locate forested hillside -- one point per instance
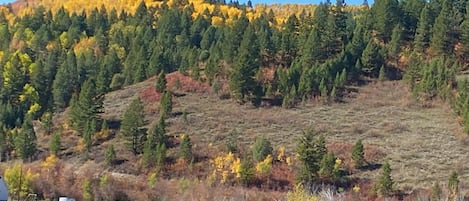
(81, 83)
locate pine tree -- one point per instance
(3, 142)
(242, 79)
(166, 105)
(185, 150)
(441, 40)
(326, 170)
(358, 154)
(110, 155)
(311, 149)
(261, 149)
(132, 126)
(372, 59)
(422, 34)
(382, 73)
(87, 107)
(55, 144)
(149, 149)
(88, 133)
(464, 51)
(396, 43)
(385, 182)
(160, 155)
(25, 141)
(386, 13)
(161, 82)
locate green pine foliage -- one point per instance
(385, 181)
(166, 104)
(358, 154)
(161, 82)
(132, 126)
(262, 148)
(55, 144)
(185, 150)
(311, 150)
(110, 155)
(25, 141)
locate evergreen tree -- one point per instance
(386, 13)
(161, 82)
(149, 149)
(422, 35)
(166, 105)
(25, 141)
(358, 154)
(55, 144)
(385, 182)
(464, 51)
(185, 150)
(311, 150)
(382, 73)
(327, 170)
(160, 155)
(132, 126)
(261, 149)
(88, 133)
(110, 155)
(372, 59)
(88, 106)
(396, 43)
(4, 142)
(442, 42)
(242, 79)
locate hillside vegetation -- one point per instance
(165, 100)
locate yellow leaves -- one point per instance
(289, 161)
(281, 153)
(264, 167)
(226, 167)
(236, 167)
(32, 96)
(50, 162)
(152, 179)
(19, 181)
(104, 180)
(85, 44)
(34, 108)
(217, 21)
(299, 193)
(356, 188)
(28, 92)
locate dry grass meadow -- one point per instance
(422, 144)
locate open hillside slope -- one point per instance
(421, 143)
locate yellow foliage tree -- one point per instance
(227, 167)
(264, 167)
(19, 182)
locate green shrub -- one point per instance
(261, 149)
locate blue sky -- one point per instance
(5, 1)
(350, 2)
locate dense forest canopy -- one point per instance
(50, 55)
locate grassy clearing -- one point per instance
(422, 144)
